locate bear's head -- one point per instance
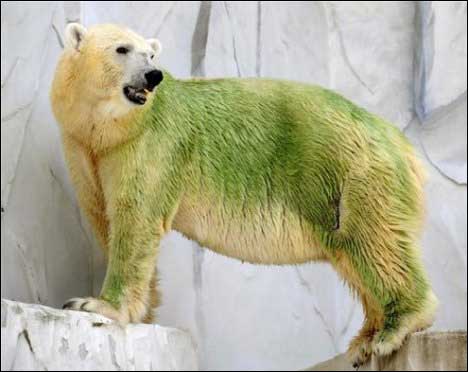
(114, 60)
(105, 73)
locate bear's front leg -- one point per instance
(135, 233)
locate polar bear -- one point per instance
(264, 171)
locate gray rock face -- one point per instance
(440, 85)
(40, 338)
(425, 351)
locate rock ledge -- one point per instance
(423, 351)
(36, 337)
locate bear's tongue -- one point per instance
(135, 95)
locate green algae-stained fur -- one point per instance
(352, 179)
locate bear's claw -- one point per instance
(98, 306)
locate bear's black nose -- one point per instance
(153, 78)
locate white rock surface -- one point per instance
(424, 351)
(371, 56)
(444, 138)
(240, 314)
(40, 338)
(173, 22)
(40, 219)
(443, 64)
(440, 84)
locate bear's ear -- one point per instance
(156, 45)
(74, 35)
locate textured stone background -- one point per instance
(406, 61)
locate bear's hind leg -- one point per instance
(395, 296)
(381, 213)
(360, 349)
(401, 322)
(392, 280)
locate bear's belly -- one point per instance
(261, 236)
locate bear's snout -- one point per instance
(153, 78)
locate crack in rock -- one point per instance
(15, 112)
(64, 347)
(317, 311)
(234, 49)
(200, 39)
(345, 54)
(258, 66)
(113, 352)
(10, 72)
(83, 352)
(4, 315)
(59, 38)
(165, 18)
(25, 335)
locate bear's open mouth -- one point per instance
(135, 95)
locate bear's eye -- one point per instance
(122, 50)
(152, 56)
